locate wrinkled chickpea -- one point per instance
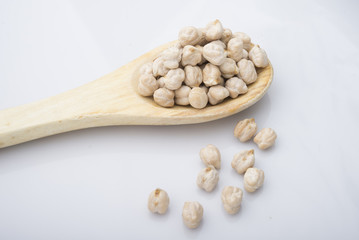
(214, 53)
(191, 56)
(258, 57)
(247, 71)
(226, 36)
(214, 30)
(189, 36)
(232, 199)
(146, 69)
(253, 179)
(181, 95)
(245, 129)
(147, 85)
(198, 98)
(247, 45)
(236, 86)
(211, 75)
(158, 67)
(217, 94)
(211, 156)
(171, 57)
(193, 76)
(161, 82)
(164, 97)
(158, 201)
(235, 49)
(229, 68)
(243, 160)
(265, 138)
(192, 214)
(207, 179)
(174, 78)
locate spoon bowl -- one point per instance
(113, 100)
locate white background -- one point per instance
(94, 183)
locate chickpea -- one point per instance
(147, 85)
(243, 160)
(247, 71)
(258, 57)
(181, 95)
(229, 68)
(174, 78)
(253, 179)
(247, 45)
(214, 53)
(189, 36)
(192, 214)
(158, 201)
(198, 98)
(203, 60)
(235, 49)
(191, 56)
(245, 129)
(161, 82)
(207, 179)
(158, 67)
(236, 86)
(217, 94)
(171, 57)
(146, 69)
(232, 199)
(214, 30)
(265, 138)
(211, 156)
(211, 75)
(164, 97)
(193, 76)
(226, 36)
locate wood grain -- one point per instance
(113, 100)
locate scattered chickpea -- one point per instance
(258, 57)
(232, 199)
(207, 178)
(211, 156)
(198, 98)
(174, 78)
(147, 85)
(236, 86)
(245, 129)
(214, 30)
(164, 97)
(217, 94)
(191, 56)
(253, 179)
(158, 201)
(247, 71)
(181, 95)
(193, 76)
(243, 160)
(189, 36)
(265, 138)
(211, 75)
(192, 214)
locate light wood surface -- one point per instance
(113, 100)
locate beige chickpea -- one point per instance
(214, 30)
(211, 156)
(220, 43)
(192, 214)
(243, 160)
(258, 56)
(204, 88)
(245, 129)
(247, 45)
(198, 98)
(211, 75)
(146, 69)
(161, 82)
(265, 138)
(236, 86)
(214, 53)
(181, 95)
(171, 57)
(232, 199)
(158, 201)
(245, 54)
(158, 67)
(253, 179)
(164, 97)
(235, 49)
(247, 71)
(216, 94)
(203, 60)
(191, 56)
(189, 36)
(229, 68)
(207, 179)
(193, 76)
(203, 40)
(174, 78)
(226, 36)
(147, 85)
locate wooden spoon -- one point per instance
(113, 100)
